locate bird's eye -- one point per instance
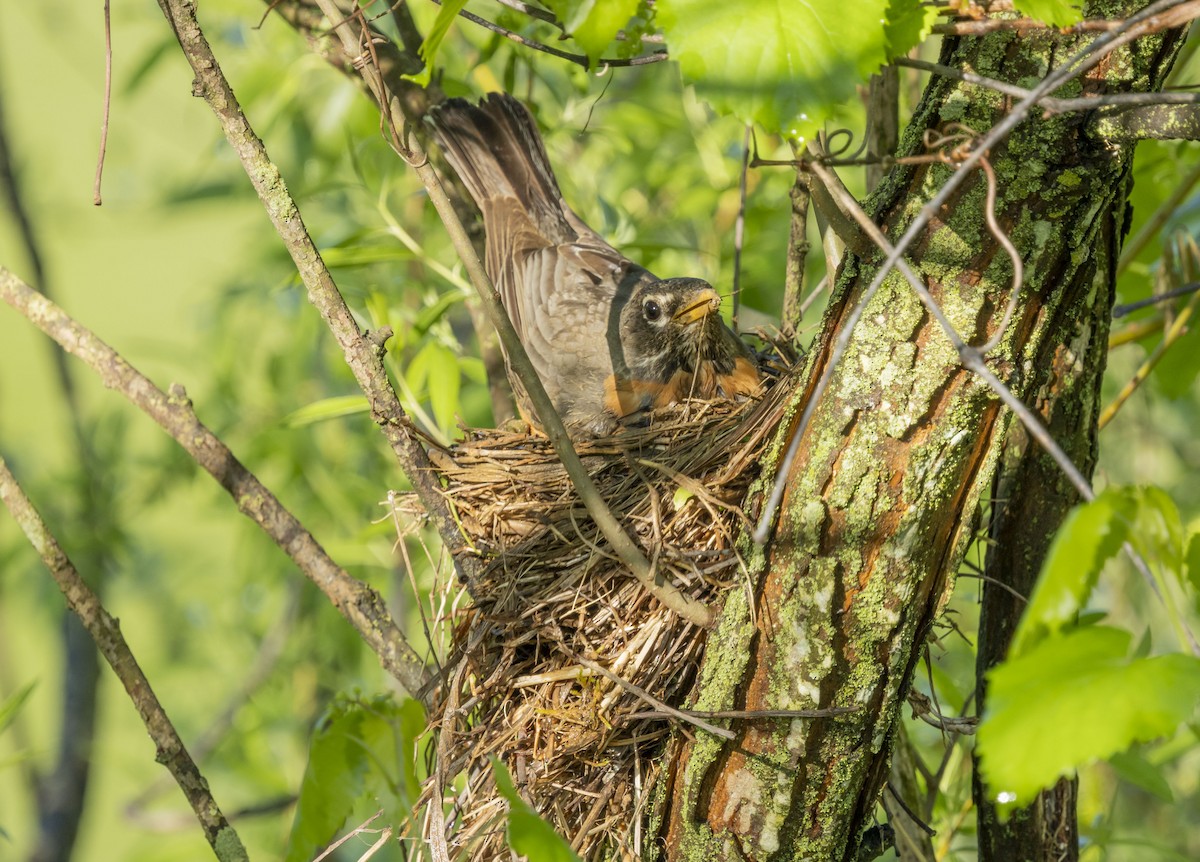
(652, 310)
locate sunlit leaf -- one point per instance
(787, 66)
(909, 22)
(1090, 536)
(1056, 13)
(1073, 699)
(593, 24)
(433, 39)
(529, 835)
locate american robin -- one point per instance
(607, 337)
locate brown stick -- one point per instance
(359, 604)
(106, 633)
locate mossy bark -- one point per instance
(882, 501)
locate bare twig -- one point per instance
(409, 149)
(1051, 104)
(357, 602)
(1165, 296)
(797, 257)
(659, 706)
(739, 228)
(577, 59)
(107, 103)
(105, 632)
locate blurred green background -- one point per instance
(181, 272)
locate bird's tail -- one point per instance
(496, 150)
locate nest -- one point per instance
(557, 665)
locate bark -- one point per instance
(883, 499)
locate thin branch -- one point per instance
(410, 150)
(359, 604)
(1157, 16)
(739, 227)
(1128, 125)
(105, 632)
(362, 354)
(107, 103)
(659, 706)
(1054, 105)
(1165, 296)
(577, 59)
(797, 257)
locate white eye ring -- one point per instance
(652, 310)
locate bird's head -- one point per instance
(671, 325)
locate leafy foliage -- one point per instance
(1072, 692)
(528, 834)
(362, 750)
(789, 67)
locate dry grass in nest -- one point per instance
(554, 609)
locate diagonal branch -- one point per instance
(362, 607)
(106, 633)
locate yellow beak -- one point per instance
(704, 303)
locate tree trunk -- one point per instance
(883, 499)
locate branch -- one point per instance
(577, 59)
(105, 632)
(359, 604)
(1159, 122)
(362, 354)
(409, 149)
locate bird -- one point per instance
(608, 338)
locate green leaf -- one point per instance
(363, 255)
(433, 39)
(787, 66)
(529, 835)
(593, 24)
(1073, 699)
(909, 23)
(1158, 531)
(1056, 13)
(1175, 373)
(1091, 535)
(1192, 565)
(433, 313)
(12, 706)
(359, 750)
(327, 408)
(1140, 772)
(444, 382)
(332, 782)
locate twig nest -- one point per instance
(553, 603)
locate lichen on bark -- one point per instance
(883, 499)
